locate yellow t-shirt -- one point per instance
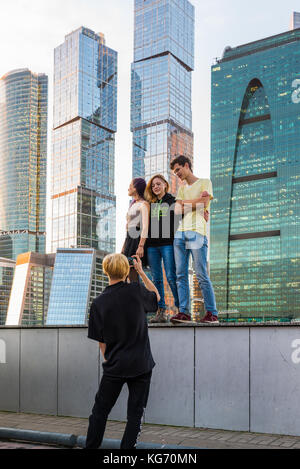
(194, 220)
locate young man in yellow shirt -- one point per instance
(192, 201)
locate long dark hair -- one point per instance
(140, 186)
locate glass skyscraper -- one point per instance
(50, 289)
(77, 279)
(85, 117)
(161, 116)
(7, 268)
(30, 290)
(295, 20)
(255, 170)
(161, 91)
(23, 157)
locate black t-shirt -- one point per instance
(118, 319)
(163, 223)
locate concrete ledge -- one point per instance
(239, 377)
(292, 323)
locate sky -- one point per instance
(31, 29)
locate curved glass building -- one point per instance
(255, 170)
(23, 157)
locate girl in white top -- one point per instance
(137, 224)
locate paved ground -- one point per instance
(21, 445)
(197, 438)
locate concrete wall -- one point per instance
(244, 378)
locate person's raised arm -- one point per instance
(145, 226)
(147, 282)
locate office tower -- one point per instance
(23, 158)
(77, 279)
(7, 267)
(161, 83)
(30, 289)
(255, 168)
(161, 116)
(85, 116)
(295, 20)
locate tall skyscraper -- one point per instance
(161, 115)
(295, 20)
(23, 159)
(30, 289)
(77, 279)
(7, 267)
(85, 117)
(255, 168)
(50, 289)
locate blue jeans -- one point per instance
(155, 257)
(187, 242)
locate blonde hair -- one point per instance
(150, 196)
(116, 266)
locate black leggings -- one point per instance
(109, 391)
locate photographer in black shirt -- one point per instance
(118, 322)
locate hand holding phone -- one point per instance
(137, 263)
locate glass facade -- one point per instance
(161, 116)
(37, 295)
(85, 122)
(7, 268)
(164, 25)
(30, 290)
(77, 279)
(161, 88)
(23, 158)
(295, 20)
(255, 170)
